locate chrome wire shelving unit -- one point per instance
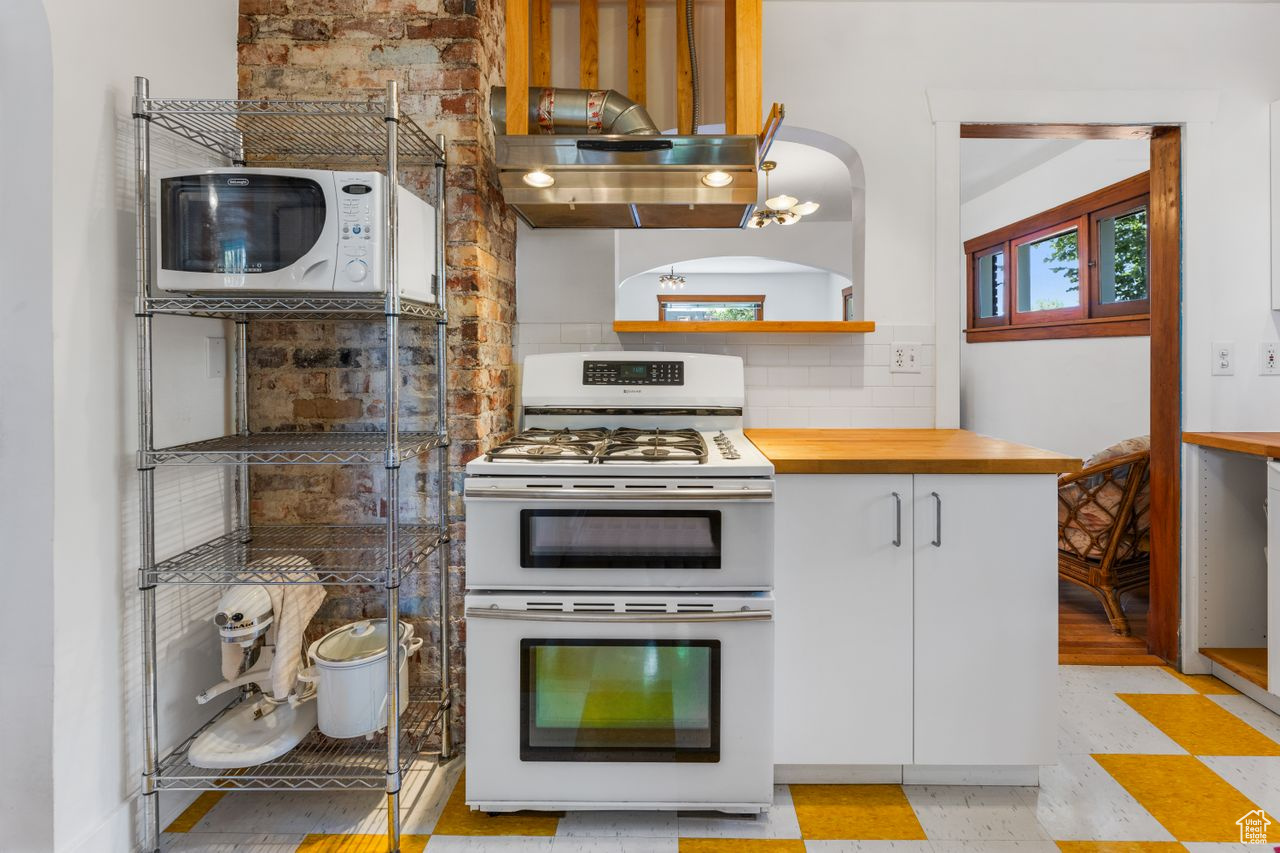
(358, 134)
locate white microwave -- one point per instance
(270, 230)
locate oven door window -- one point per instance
(266, 223)
(620, 700)
(619, 539)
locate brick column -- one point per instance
(445, 54)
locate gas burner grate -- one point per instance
(603, 445)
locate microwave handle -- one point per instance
(656, 494)
(588, 616)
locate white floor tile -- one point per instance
(229, 842)
(962, 813)
(1218, 847)
(779, 822)
(615, 845)
(637, 824)
(1257, 777)
(1078, 800)
(1120, 679)
(1096, 722)
(868, 847)
(488, 844)
(994, 847)
(1262, 719)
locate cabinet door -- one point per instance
(843, 619)
(986, 619)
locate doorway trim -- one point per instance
(1185, 113)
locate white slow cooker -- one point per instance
(349, 668)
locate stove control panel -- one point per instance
(633, 373)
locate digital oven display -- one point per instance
(633, 373)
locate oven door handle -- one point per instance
(581, 495)
(588, 616)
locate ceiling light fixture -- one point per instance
(783, 209)
(538, 178)
(717, 179)
(671, 281)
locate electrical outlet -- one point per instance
(904, 357)
(215, 350)
(1269, 358)
(1224, 358)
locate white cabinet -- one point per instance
(843, 620)
(986, 618)
(916, 653)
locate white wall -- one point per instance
(1075, 396)
(26, 444)
(788, 296)
(188, 49)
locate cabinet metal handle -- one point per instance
(897, 537)
(937, 539)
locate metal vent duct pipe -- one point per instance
(575, 112)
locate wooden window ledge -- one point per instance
(1097, 327)
(737, 326)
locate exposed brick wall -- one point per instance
(445, 55)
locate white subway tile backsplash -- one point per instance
(820, 381)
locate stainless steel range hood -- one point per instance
(635, 179)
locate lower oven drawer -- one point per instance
(622, 535)
(619, 702)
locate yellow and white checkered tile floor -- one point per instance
(1149, 760)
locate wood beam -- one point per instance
(684, 72)
(589, 44)
(1165, 283)
(517, 12)
(540, 21)
(748, 52)
(1055, 131)
(637, 52)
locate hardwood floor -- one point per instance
(1085, 635)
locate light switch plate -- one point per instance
(904, 357)
(1269, 358)
(1224, 358)
(215, 357)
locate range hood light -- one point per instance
(717, 179)
(804, 208)
(539, 179)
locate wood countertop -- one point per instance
(1256, 443)
(902, 451)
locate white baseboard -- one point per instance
(923, 774)
(1267, 700)
(837, 774)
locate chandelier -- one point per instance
(783, 209)
(671, 281)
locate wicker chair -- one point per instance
(1103, 527)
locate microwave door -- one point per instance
(247, 231)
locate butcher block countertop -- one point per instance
(902, 451)
(1257, 443)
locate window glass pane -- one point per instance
(1049, 273)
(1122, 257)
(706, 310)
(622, 700)
(990, 276)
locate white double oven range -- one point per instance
(619, 592)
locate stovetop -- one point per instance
(605, 451)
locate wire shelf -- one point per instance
(319, 763)
(334, 554)
(296, 448)
(302, 307)
(314, 133)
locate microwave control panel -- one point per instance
(633, 373)
(355, 201)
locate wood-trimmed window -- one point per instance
(1078, 270)
(710, 308)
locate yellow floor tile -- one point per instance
(1121, 847)
(1199, 726)
(359, 844)
(458, 819)
(864, 812)
(1184, 795)
(195, 812)
(741, 845)
(1206, 684)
